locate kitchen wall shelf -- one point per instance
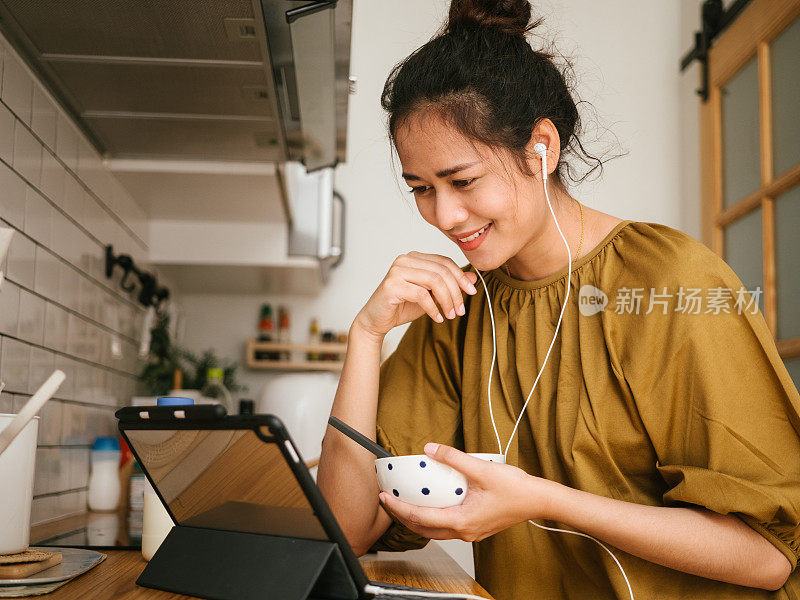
(254, 346)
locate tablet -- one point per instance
(238, 474)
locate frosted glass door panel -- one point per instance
(741, 170)
(743, 252)
(787, 263)
(786, 98)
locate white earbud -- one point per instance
(541, 150)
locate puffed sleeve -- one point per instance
(716, 400)
(419, 401)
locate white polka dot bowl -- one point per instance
(418, 479)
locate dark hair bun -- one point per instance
(509, 16)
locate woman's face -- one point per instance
(463, 187)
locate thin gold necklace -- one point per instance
(580, 245)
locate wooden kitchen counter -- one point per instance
(430, 567)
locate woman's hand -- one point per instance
(414, 285)
(498, 497)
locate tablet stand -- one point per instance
(229, 565)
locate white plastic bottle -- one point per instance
(104, 487)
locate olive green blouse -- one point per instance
(677, 399)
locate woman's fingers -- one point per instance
(411, 292)
(436, 283)
(446, 276)
(455, 279)
(431, 279)
(466, 279)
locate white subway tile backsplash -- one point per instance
(41, 367)
(31, 317)
(93, 216)
(27, 155)
(12, 197)
(70, 504)
(69, 286)
(46, 273)
(7, 123)
(76, 338)
(97, 265)
(125, 316)
(102, 421)
(49, 477)
(73, 198)
(57, 309)
(17, 91)
(94, 343)
(68, 239)
(90, 167)
(43, 116)
(22, 260)
(9, 309)
(44, 510)
(87, 305)
(50, 423)
(66, 141)
(38, 217)
(66, 364)
(53, 176)
(78, 467)
(55, 327)
(89, 252)
(75, 425)
(14, 363)
(43, 477)
(6, 403)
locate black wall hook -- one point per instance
(150, 293)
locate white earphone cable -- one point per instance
(547, 356)
(392, 592)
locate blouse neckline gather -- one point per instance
(534, 284)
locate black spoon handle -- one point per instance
(360, 439)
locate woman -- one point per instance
(668, 431)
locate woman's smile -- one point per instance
(472, 241)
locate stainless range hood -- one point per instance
(222, 80)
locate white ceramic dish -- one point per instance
(418, 479)
(74, 562)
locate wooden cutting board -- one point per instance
(20, 570)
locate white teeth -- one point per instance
(473, 236)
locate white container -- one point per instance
(104, 488)
(420, 480)
(303, 402)
(16, 494)
(156, 522)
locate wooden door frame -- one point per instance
(748, 36)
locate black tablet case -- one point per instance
(228, 565)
